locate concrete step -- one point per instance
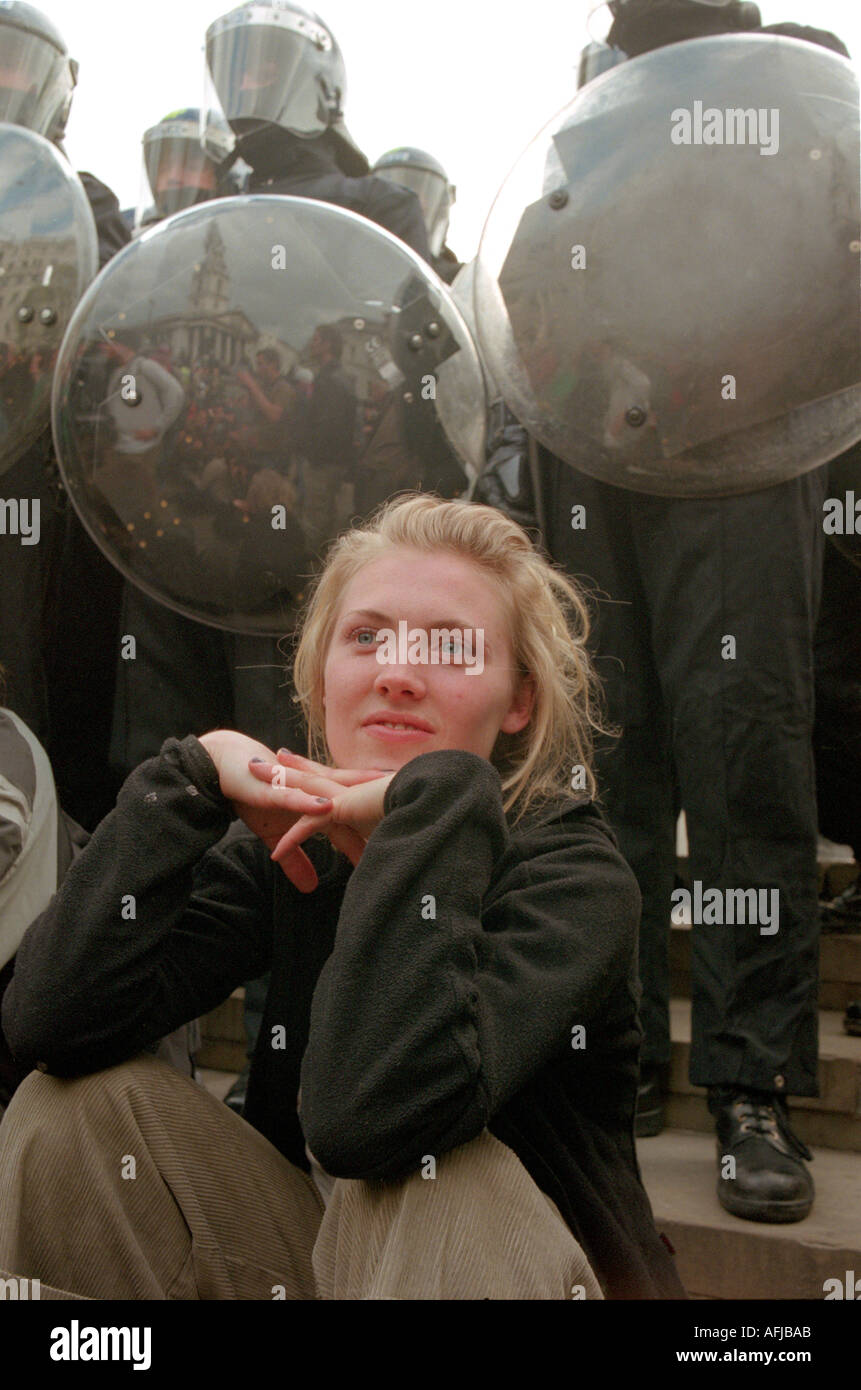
(222, 1034)
(839, 966)
(721, 1256)
(832, 1119)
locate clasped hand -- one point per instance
(285, 798)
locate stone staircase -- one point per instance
(720, 1256)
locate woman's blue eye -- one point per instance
(365, 632)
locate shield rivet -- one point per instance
(558, 198)
(25, 314)
(635, 417)
(47, 316)
(415, 342)
(432, 329)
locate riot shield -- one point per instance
(246, 380)
(668, 288)
(48, 254)
(462, 291)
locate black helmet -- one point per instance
(37, 76)
(182, 156)
(272, 63)
(641, 25)
(423, 175)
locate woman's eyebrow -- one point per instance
(441, 624)
(365, 613)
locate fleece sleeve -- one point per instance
(445, 991)
(152, 925)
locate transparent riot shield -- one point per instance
(245, 381)
(48, 255)
(668, 289)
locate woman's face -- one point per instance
(443, 706)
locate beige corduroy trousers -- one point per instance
(135, 1183)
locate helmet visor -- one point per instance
(35, 81)
(433, 194)
(179, 173)
(268, 72)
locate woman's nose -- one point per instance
(400, 679)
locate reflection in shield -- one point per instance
(246, 380)
(685, 318)
(47, 257)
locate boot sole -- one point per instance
(774, 1213)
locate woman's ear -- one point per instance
(520, 709)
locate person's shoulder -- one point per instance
(576, 828)
(561, 814)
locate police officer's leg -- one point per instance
(734, 591)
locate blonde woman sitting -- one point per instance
(442, 1098)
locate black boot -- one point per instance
(768, 1180)
(649, 1118)
(843, 913)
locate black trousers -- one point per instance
(186, 678)
(720, 728)
(837, 732)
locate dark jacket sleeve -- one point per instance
(151, 928)
(440, 998)
(111, 230)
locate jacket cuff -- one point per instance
(452, 767)
(190, 756)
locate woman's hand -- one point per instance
(354, 809)
(270, 811)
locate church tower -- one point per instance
(210, 282)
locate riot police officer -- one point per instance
(673, 578)
(56, 644)
(416, 169)
(180, 167)
(278, 76)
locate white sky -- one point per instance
(469, 80)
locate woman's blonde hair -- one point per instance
(548, 625)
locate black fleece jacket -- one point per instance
(426, 994)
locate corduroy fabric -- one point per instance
(214, 1211)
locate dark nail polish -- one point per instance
(256, 760)
(322, 799)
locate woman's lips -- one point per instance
(390, 735)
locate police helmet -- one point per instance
(419, 171)
(37, 76)
(182, 154)
(272, 63)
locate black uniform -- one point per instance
(56, 641)
(727, 739)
